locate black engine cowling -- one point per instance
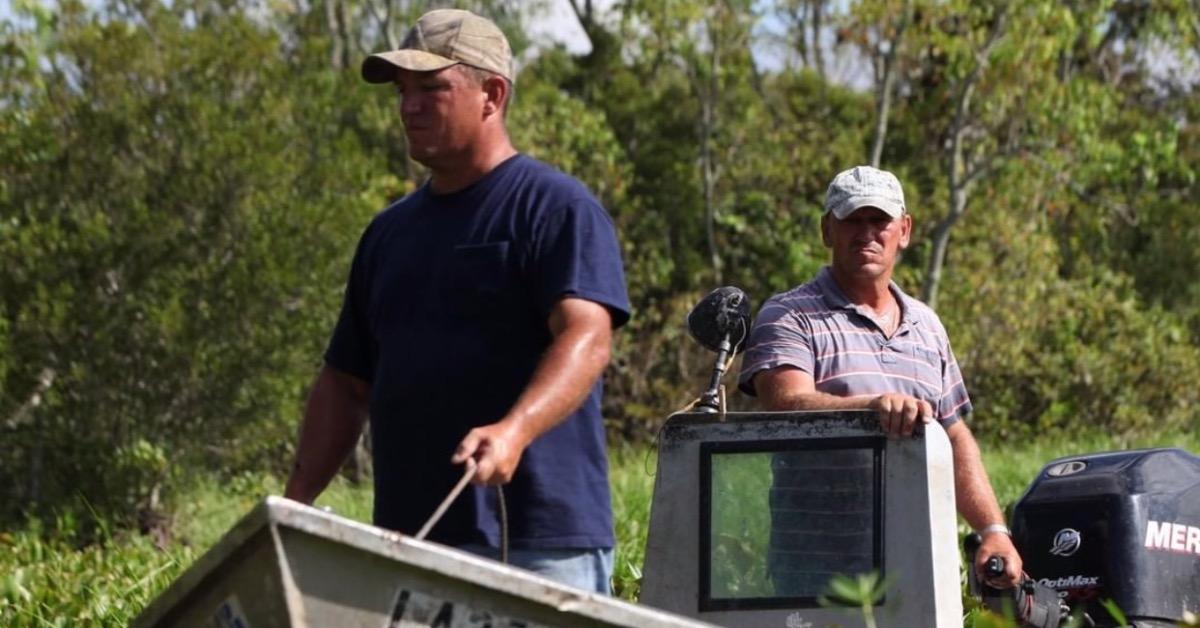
(1123, 526)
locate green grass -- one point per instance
(48, 581)
(48, 577)
(1012, 465)
(212, 507)
(631, 474)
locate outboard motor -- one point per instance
(1030, 603)
(1123, 526)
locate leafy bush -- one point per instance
(179, 212)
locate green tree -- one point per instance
(178, 211)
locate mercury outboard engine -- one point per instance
(1030, 603)
(1123, 526)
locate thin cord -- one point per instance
(453, 495)
(503, 525)
(441, 509)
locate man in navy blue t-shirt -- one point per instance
(477, 320)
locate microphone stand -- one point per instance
(710, 400)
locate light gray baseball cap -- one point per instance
(864, 186)
(440, 39)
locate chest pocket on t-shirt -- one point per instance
(479, 279)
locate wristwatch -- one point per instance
(995, 528)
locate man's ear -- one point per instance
(497, 91)
(825, 230)
(905, 230)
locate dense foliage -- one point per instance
(182, 184)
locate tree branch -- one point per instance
(25, 412)
(884, 84)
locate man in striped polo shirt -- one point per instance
(850, 339)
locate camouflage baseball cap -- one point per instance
(864, 186)
(440, 39)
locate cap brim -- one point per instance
(381, 67)
(853, 204)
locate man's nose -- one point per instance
(865, 232)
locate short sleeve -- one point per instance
(779, 338)
(576, 254)
(352, 348)
(955, 403)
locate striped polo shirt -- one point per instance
(816, 329)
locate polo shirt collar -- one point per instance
(835, 299)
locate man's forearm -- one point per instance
(582, 332)
(333, 422)
(563, 379)
(977, 504)
(976, 501)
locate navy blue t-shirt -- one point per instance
(446, 315)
